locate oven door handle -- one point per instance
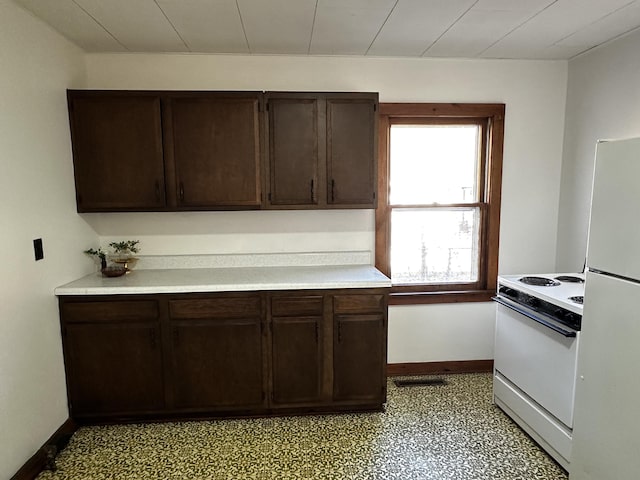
(535, 318)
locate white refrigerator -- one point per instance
(606, 433)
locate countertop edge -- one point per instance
(61, 291)
(177, 281)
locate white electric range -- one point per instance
(538, 321)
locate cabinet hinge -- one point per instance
(375, 107)
(374, 195)
(266, 105)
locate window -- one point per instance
(437, 221)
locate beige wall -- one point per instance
(37, 195)
(36, 201)
(534, 93)
(603, 103)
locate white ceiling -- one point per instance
(526, 29)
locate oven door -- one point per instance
(538, 356)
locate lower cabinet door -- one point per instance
(359, 358)
(217, 364)
(114, 368)
(296, 360)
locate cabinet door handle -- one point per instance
(157, 189)
(313, 193)
(333, 190)
(317, 331)
(181, 191)
(339, 332)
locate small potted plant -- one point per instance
(98, 254)
(123, 253)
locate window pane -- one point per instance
(433, 164)
(434, 245)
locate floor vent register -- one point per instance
(420, 382)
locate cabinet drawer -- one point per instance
(358, 303)
(222, 307)
(303, 305)
(110, 311)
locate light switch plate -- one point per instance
(37, 249)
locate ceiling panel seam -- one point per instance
(517, 27)
(101, 25)
(244, 30)
(313, 24)
(448, 28)
(595, 21)
(173, 26)
(613, 39)
(381, 27)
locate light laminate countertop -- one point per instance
(190, 280)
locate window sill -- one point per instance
(419, 298)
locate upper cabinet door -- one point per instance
(213, 142)
(117, 151)
(293, 150)
(322, 150)
(351, 151)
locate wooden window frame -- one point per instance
(491, 118)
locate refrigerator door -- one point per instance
(614, 234)
(606, 443)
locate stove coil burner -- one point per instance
(577, 299)
(569, 279)
(540, 281)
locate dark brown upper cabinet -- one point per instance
(321, 150)
(178, 150)
(294, 149)
(117, 151)
(146, 151)
(212, 145)
(351, 151)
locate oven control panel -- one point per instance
(562, 315)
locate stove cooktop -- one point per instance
(577, 299)
(555, 288)
(539, 281)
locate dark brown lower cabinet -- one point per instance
(358, 358)
(297, 360)
(297, 341)
(113, 357)
(131, 357)
(359, 347)
(216, 353)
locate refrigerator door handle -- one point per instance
(535, 318)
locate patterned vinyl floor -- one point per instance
(444, 432)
